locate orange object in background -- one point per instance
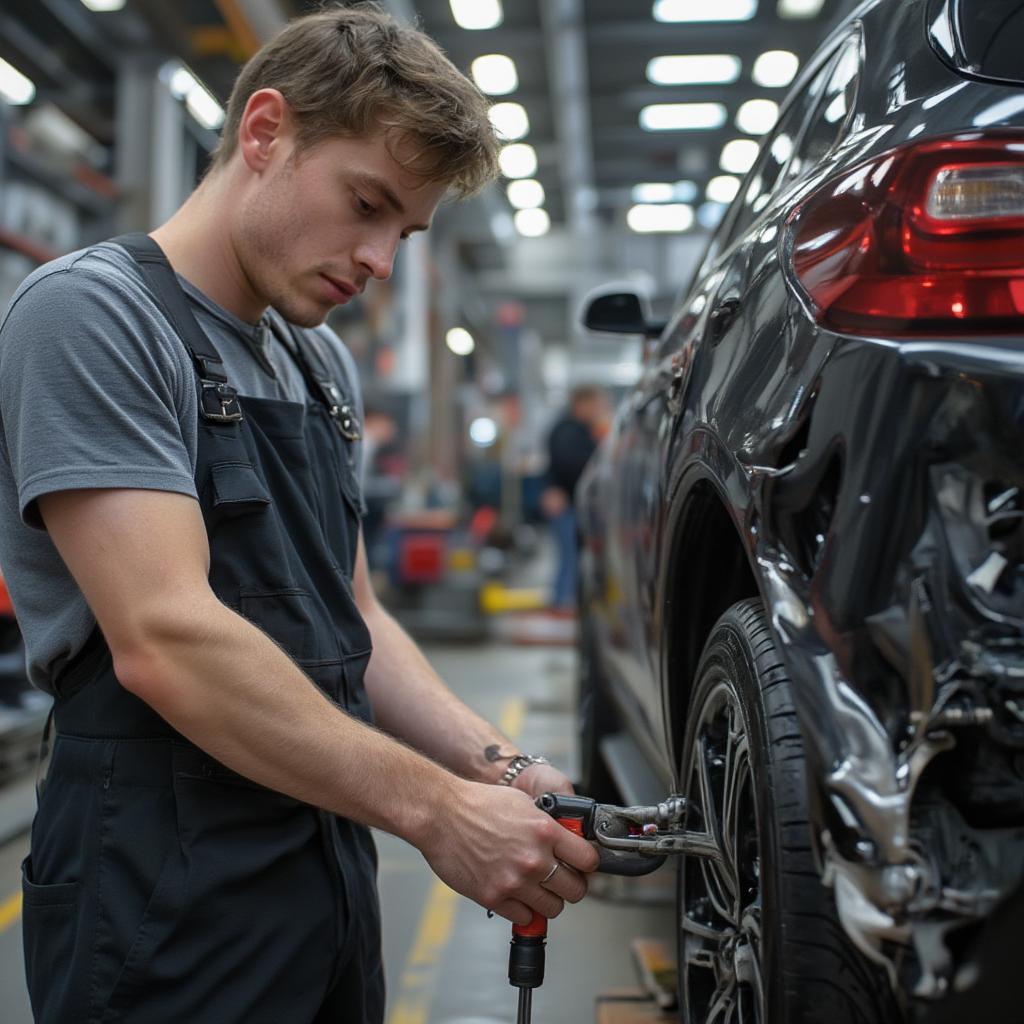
(6, 608)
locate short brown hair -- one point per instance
(355, 71)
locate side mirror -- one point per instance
(619, 313)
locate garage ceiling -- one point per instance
(581, 66)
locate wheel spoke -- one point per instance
(722, 1003)
(704, 931)
(707, 802)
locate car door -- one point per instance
(710, 328)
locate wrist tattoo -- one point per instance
(493, 753)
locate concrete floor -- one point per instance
(446, 962)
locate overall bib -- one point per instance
(163, 887)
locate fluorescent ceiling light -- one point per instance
(646, 218)
(204, 108)
(476, 14)
(532, 223)
(460, 341)
(738, 156)
(757, 117)
(525, 194)
(495, 74)
(104, 5)
(15, 88)
(510, 120)
(519, 160)
(775, 69)
(702, 10)
(660, 117)
(199, 101)
(800, 8)
(694, 69)
(722, 188)
(653, 192)
(709, 215)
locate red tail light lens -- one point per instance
(923, 239)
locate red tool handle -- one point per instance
(538, 926)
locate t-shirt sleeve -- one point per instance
(91, 394)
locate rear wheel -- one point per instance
(759, 940)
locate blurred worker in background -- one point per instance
(180, 532)
(571, 442)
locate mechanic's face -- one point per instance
(322, 222)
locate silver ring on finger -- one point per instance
(551, 873)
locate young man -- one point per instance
(180, 534)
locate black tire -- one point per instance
(759, 938)
(595, 719)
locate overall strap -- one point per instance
(218, 400)
(322, 386)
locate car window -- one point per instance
(825, 125)
(774, 158)
(777, 163)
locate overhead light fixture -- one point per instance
(800, 8)
(476, 14)
(510, 120)
(104, 5)
(722, 188)
(738, 156)
(660, 117)
(757, 117)
(518, 160)
(653, 192)
(647, 218)
(525, 194)
(199, 101)
(460, 341)
(532, 223)
(495, 74)
(775, 69)
(701, 10)
(709, 215)
(15, 87)
(694, 69)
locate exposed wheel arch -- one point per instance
(708, 571)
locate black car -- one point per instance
(802, 569)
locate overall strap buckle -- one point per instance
(340, 409)
(218, 401)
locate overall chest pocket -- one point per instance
(235, 489)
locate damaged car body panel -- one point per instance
(865, 480)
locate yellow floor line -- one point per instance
(10, 911)
(412, 1005)
(510, 722)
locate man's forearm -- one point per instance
(237, 696)
(411, 702)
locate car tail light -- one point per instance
(927, 238)
(6, 608)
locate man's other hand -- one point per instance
(538, 779)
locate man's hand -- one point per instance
(495, 847)
(539, 779)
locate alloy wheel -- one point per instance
(720, 894)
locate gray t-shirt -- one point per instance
(97, 390)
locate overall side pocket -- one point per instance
(50, 931)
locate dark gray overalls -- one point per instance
(163, 887)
